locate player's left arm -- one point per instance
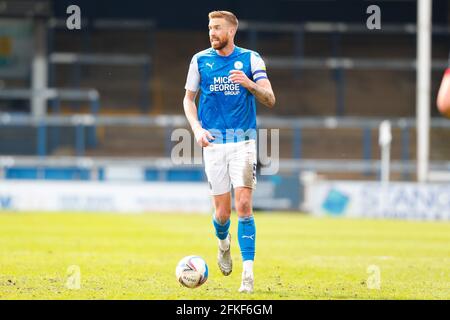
(443, 98)
(259, 85)
(261, 89)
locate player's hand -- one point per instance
(202, 137)
(238, 76)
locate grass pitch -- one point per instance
(298, 257)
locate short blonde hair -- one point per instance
(227, 15)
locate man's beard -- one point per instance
(222, 44)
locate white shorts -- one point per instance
(230, 164)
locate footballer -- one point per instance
(229, 79)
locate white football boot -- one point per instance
(247, 282)
(224, 259)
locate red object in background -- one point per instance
(443, 98)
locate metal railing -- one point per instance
(297, 125)
(339, 27)
(54, 96)
(440, 170)
(350, 63)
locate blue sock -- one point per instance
(247, 237)
(221, 229)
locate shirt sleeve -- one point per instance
(258, 67)
(193, 77)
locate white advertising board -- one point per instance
(104, 197)
(376, 200)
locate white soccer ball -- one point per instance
(192, 271)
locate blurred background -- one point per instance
(86, 115)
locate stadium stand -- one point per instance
(317, 69)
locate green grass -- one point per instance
(298, 257)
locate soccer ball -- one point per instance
(192, 271)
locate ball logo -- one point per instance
(238, 65)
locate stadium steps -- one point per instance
(18, 141)
(439, 145)
(119, 86)
(134, 141)
(310, 93)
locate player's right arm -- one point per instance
(443, 98)
(202, 136)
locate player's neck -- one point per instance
(226, 51)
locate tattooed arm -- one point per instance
(262, 89)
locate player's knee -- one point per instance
(244, 207)
(222, 215)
